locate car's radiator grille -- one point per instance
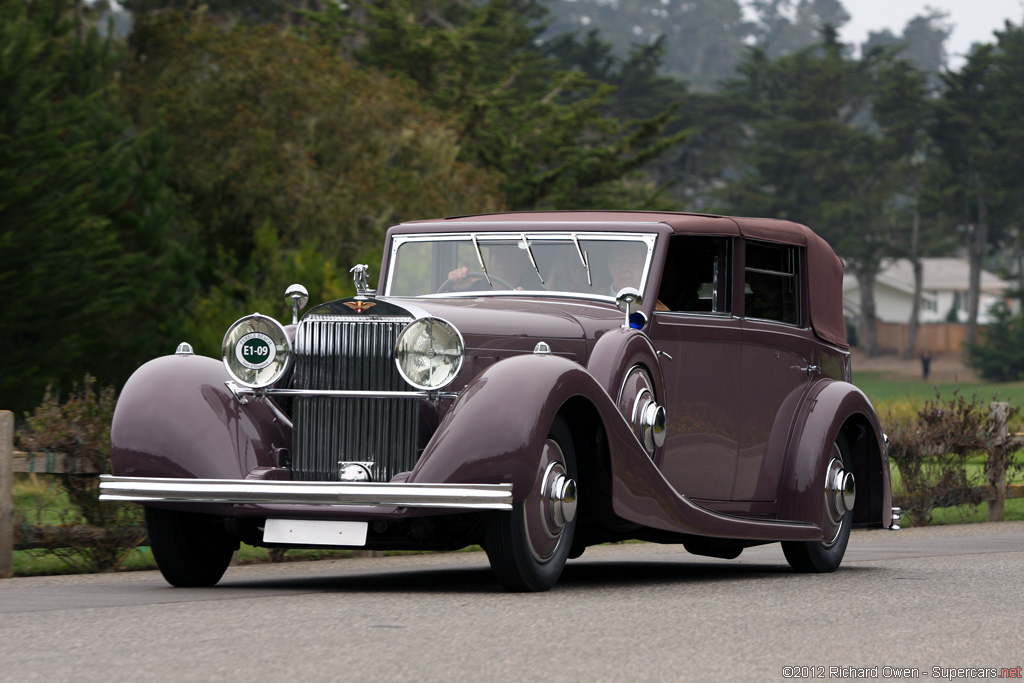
(337, 353)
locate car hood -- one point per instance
(497, 327)
(512, 317)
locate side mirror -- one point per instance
(629, 300)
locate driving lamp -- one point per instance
(256, 351)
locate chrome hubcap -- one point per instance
(840, 496)
(563, 500)
(551, 506)
(637, 404)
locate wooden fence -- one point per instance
(933, 337)
(26, 537)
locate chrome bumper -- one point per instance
(273, 492)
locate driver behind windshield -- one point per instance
(508, 266)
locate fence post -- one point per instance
(996, 468)
(6, 494)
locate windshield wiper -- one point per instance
(583, 258)
(480, 258)
(529, 250)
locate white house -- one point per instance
(946, 283)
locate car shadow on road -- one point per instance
(577, 575)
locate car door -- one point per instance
(776, 366)
(704, 372)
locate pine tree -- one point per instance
(85, 273)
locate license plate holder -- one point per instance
(314, 532)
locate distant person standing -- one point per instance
(926, 363)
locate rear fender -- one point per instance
(176, 418)
(834, 407)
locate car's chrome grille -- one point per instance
(339, 353)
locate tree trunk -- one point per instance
(915, 309)
(976, 256)
(868, 330)
(1019, 253)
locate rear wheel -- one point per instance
(191, 550)
(528, 547)
(840, 493)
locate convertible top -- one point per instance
(825, 268)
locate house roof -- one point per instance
(940, 274)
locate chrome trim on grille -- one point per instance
(342, 393)
(352, 404)
(457, 496)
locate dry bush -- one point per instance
(80, 428)
(932, 448)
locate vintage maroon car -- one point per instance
(531, 382)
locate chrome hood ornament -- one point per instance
(359, 273)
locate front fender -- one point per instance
(616, 352)
(496, 429)
(176, 418)
(494, 434)
(832, 407)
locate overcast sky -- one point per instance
(973, 20)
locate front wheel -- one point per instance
(191, 550)
(824, 556)
(528, 547)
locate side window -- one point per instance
(772, 289)
(697, 275)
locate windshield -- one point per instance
(574, 264)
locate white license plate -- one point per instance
(314, 532)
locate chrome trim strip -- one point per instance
(342, 393)
(457, 496)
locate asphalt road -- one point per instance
(939, 600)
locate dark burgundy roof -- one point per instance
(826, 269)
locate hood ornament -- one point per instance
(359, 273)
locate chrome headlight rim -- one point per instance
(262, 369)
(416, 327)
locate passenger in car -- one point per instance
(626, 265)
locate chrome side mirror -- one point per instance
(629, 299)
(298, 297)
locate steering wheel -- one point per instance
(449, 285)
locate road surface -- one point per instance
(944, 603)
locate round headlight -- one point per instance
(256, 351)
(429, 353)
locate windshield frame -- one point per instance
(533, 237)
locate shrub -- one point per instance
(931, 451)
(80, 428)
(1000, 355)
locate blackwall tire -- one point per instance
(190, 549)
(823, 557)
(528, 549)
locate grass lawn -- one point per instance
(882, 390)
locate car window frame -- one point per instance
(724, 274)
(398, 240)
(799, 260)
